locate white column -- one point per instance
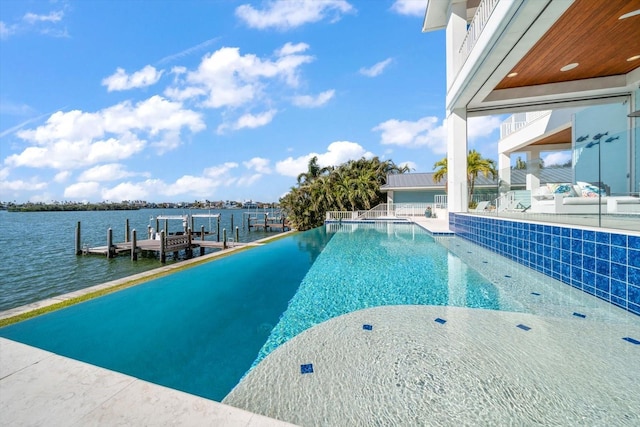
(457, 161)
(533, 170)
(456, 32)
(504, 168)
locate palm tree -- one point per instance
(476, 164)
(520, 164)
(353, 185)
(313, 172)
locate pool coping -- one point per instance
(42, 388)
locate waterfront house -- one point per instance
(518, 56)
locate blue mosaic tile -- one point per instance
(618, 271)
(634, 258)
(523, 327)
(597, 262)
(589, 263)
(576, 245)
(439, 320)
(507, 276)
(603, 251)
(619, 254)
(603, 237)
(588, 248)
(306, 369)
(633, 293)
(603, 267)
(367, 327)
(619, 240)
(631, 340)
(535, 293)
(618, 289)
(575, 313)
(633, 276)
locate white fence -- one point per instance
(389, 211)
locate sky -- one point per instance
(185, 100)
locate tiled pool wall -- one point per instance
(602, 263)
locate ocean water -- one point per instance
(37, 249)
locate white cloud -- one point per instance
(33, 18)
(77, 139)
(62, 176)
(255, 120)
(5, 31)
(376, 69)
(225, 78)
(125, 191)
(83, 190)
(258, 164)
(423, 132)
(288, 14)
(248, 180)
(337, 153)
(291, 49)
(411, 165)
(410, 7)
(557, 158)
(48, 24)
(189, 184)
(108, 172)
(308, 101)
(428, 132)
(120, 80)
(482, 127)
(20, 185)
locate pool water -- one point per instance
(196, 330)
(201, 330)
(376, 265)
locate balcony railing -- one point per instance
(519, 121)
(479, 21)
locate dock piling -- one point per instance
(224, 238)
(163, 256)
(78, 240)
(237, 235)
(126, 231)
(134, 243)
(202, 238)
(110, 251)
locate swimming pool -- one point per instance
(200, 330)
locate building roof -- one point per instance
(424, 181)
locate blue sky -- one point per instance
(189, 100)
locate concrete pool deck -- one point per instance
(41, 388)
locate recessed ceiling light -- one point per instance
(512, 74)
(630, 14)
(633, 58)
(569, 66)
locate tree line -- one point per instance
(352, 186)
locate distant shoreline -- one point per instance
(73, 207)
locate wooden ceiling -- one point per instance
(562, 137)
(588, 33)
